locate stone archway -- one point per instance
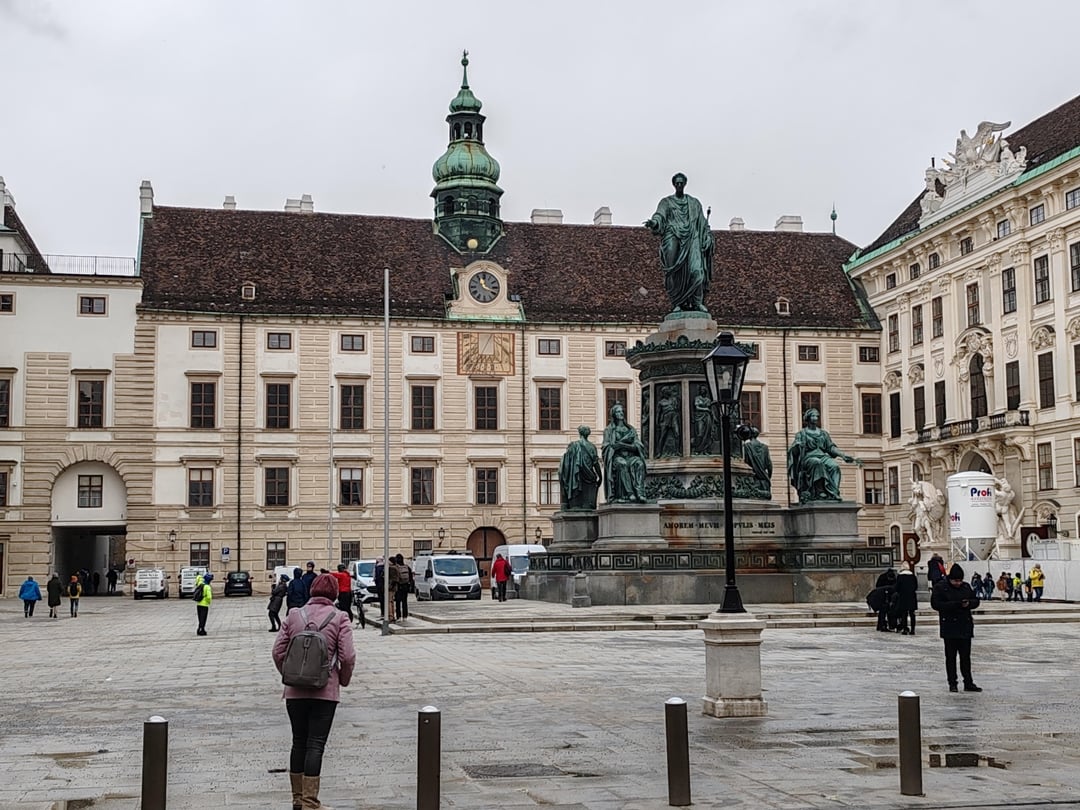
(481, 544)
(972, 461)
(89, 521)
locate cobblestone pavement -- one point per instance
(586, 708)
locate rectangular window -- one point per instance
(1045, 460)
(352, 343)
(279, 341)
(974, 314)
(3, 488)
(916, 325)
(873, 486)
(1076, 462)
(894, 333)
(1074, 265)
(200, 487)
(278, 406)
(551, 347)
(351, 407)
(894, 486)
(350, 551)
(423, 486)
(423, 407)
(937, 321)
(199, 555)
(1042, 279)
(869, 354)
(7, 303)
(871, 414)
(275, 555)
(1037, 214)
(1046, 380)
(966, 246)
(1004, 228)
(750, 408)
(614, 348)
(1072, 198)
(918, 398)
(203, 339)
(487, 407)
(550, 414)
(550, 494)
(351, 480)
(940, 414)
(276, 486)
(91, 305)
(203, 405)
(613, 394)
(1012, 385)
(809, 354)
(5, 402)
(914, 271)
(808, 400)
(894, 415)
(890, 281)
(1008, 290)
(90, 491)
(487, 486)
(91, 413)
(933, 261)
(423, 344)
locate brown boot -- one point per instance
(311, 793)
(296, 781)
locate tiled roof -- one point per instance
(34, 260)
(198, 259)
(1046, 138)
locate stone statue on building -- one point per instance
(1008, 519)
(624, 460)
(812, 467)
(703, 441)
(580, 473)
(668, 422)
(756, 453)
(686, 248)
(927, 512)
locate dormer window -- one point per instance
(783, 306)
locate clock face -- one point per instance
(483, 286)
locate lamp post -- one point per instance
(172, 540)
(442, 535)
(1051, 525)
(725, 367)
(539, 535)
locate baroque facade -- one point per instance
(247, 374)
(977, 284)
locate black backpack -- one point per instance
(307, 663)
(73, 589)
(197, 594)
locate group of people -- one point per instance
(401, 581)
(895, 599)
(55, 590)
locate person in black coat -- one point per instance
(954, 600)
(886, 580)
(273, 607)
(296, 592)
(907, 601)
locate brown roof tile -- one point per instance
(197, 260)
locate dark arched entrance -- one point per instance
(482, 544)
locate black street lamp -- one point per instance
(725, 368)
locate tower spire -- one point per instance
(832, 216)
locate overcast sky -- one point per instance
(770, 108)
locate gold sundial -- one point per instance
(486, 353)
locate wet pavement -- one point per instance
(537, 719)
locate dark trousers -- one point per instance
(74, 606)
(1038, 597)
(344, 603)
(311, 720)
(953, 647)
(202, 611)
(907, 621)
(401, 601)
(501, 588)
(28, 606)
(275, 619)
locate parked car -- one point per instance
(238, 583)
(187, 580)
(363, 576)
(151, 582)
(452, 575)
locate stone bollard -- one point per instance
(155, 764)
(678, 752)
(910, 744)
(581, 596)
(428, 754)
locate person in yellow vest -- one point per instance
(1018, 587)
(205, 597)
(74, 592)
(1038, 579)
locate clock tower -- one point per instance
(466, 193)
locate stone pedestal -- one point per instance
(733, 666)
(629, 526)
(572, 530)
(581, 596)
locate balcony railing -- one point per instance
(978, 424)
(67, 265)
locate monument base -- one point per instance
(733, 666)
(573, 530)
(629, 525)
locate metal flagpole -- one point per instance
(330, 495)
(386, 450)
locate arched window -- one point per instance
(916, 471)
(894, 541)
(468, 129)
(457, 132)
(978, 387)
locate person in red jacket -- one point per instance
(344, 597)
(501, 573)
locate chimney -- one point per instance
(230, 203)
(307, 206)
(789, 222)
(546, 216)
(292, 206)
(737, 224)
(5, 198)
(146, 199)
(602, 216)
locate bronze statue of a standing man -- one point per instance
(686, 248)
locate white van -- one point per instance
(151, 582)
(518, 555)
(363, 577)
(187, 579)
(449, 575)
